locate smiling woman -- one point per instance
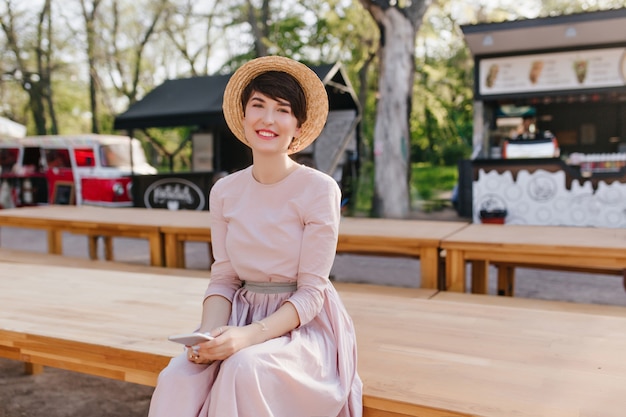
(277, 321)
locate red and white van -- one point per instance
(70, 169)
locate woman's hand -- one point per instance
(228, 340)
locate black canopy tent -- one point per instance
(197, 101)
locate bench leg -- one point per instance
(32, 368)
(157, 249)
(429, 262)
(480, 277)
(93, 247)
(92, 244)
(55, 242)
(506, 280)
(455, 271)
(108, 247)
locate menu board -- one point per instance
(561, 71)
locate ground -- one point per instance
(58, 393)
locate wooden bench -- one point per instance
(420, 354)
(579, 249)
(382, 237)
(93, 222)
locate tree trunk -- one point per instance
(392, 138)
(89, 16)
(391, 132)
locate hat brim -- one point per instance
(314, 91)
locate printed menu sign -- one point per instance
(597, 68)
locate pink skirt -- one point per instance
(310, 371)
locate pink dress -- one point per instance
(280, 233)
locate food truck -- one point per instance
(78, 169)
(568, 73)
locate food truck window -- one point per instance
(58, 158)
(84, 157)
(8, 158)
(32, 158)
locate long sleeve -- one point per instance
(224, 279)
(319, 245)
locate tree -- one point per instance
(89, 13)
(398, 22)
(31, 64)
(441, 123)
(185, 22)
(127, 39)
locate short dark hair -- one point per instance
(278, 85)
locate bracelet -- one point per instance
(260, 323)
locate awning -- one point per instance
(578, 30)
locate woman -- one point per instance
(284, 345)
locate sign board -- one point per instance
(181, 191)
(560, 71)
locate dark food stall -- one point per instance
(569, 74)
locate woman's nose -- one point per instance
(268, 117)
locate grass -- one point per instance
(428, 183)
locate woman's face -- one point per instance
(269, 124)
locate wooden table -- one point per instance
(93, 222)
(419, 355)
(389, 237)
(554, 247)
(193, 226)
(386, 237)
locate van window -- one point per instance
(32, 157)
(8, 158)
(84, 157)
(118, 155)
(58, 158)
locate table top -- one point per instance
(540, 238)
(85, 215)
(171, 221)
(478, 359)
(348, 226)
(491, 360)
(423, 230)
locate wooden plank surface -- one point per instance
(539, 239)
(553, 246)
(120, 218)
(532, 303)
(37, 258)
(418, 355)
(389, 236)
(384, 237)
(91, 221)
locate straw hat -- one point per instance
(314, 91)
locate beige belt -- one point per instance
(270, 287)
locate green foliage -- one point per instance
(441, 122)
(429, 183)
(365, 190)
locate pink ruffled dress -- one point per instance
(270, 236)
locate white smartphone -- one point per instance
(191, 339)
